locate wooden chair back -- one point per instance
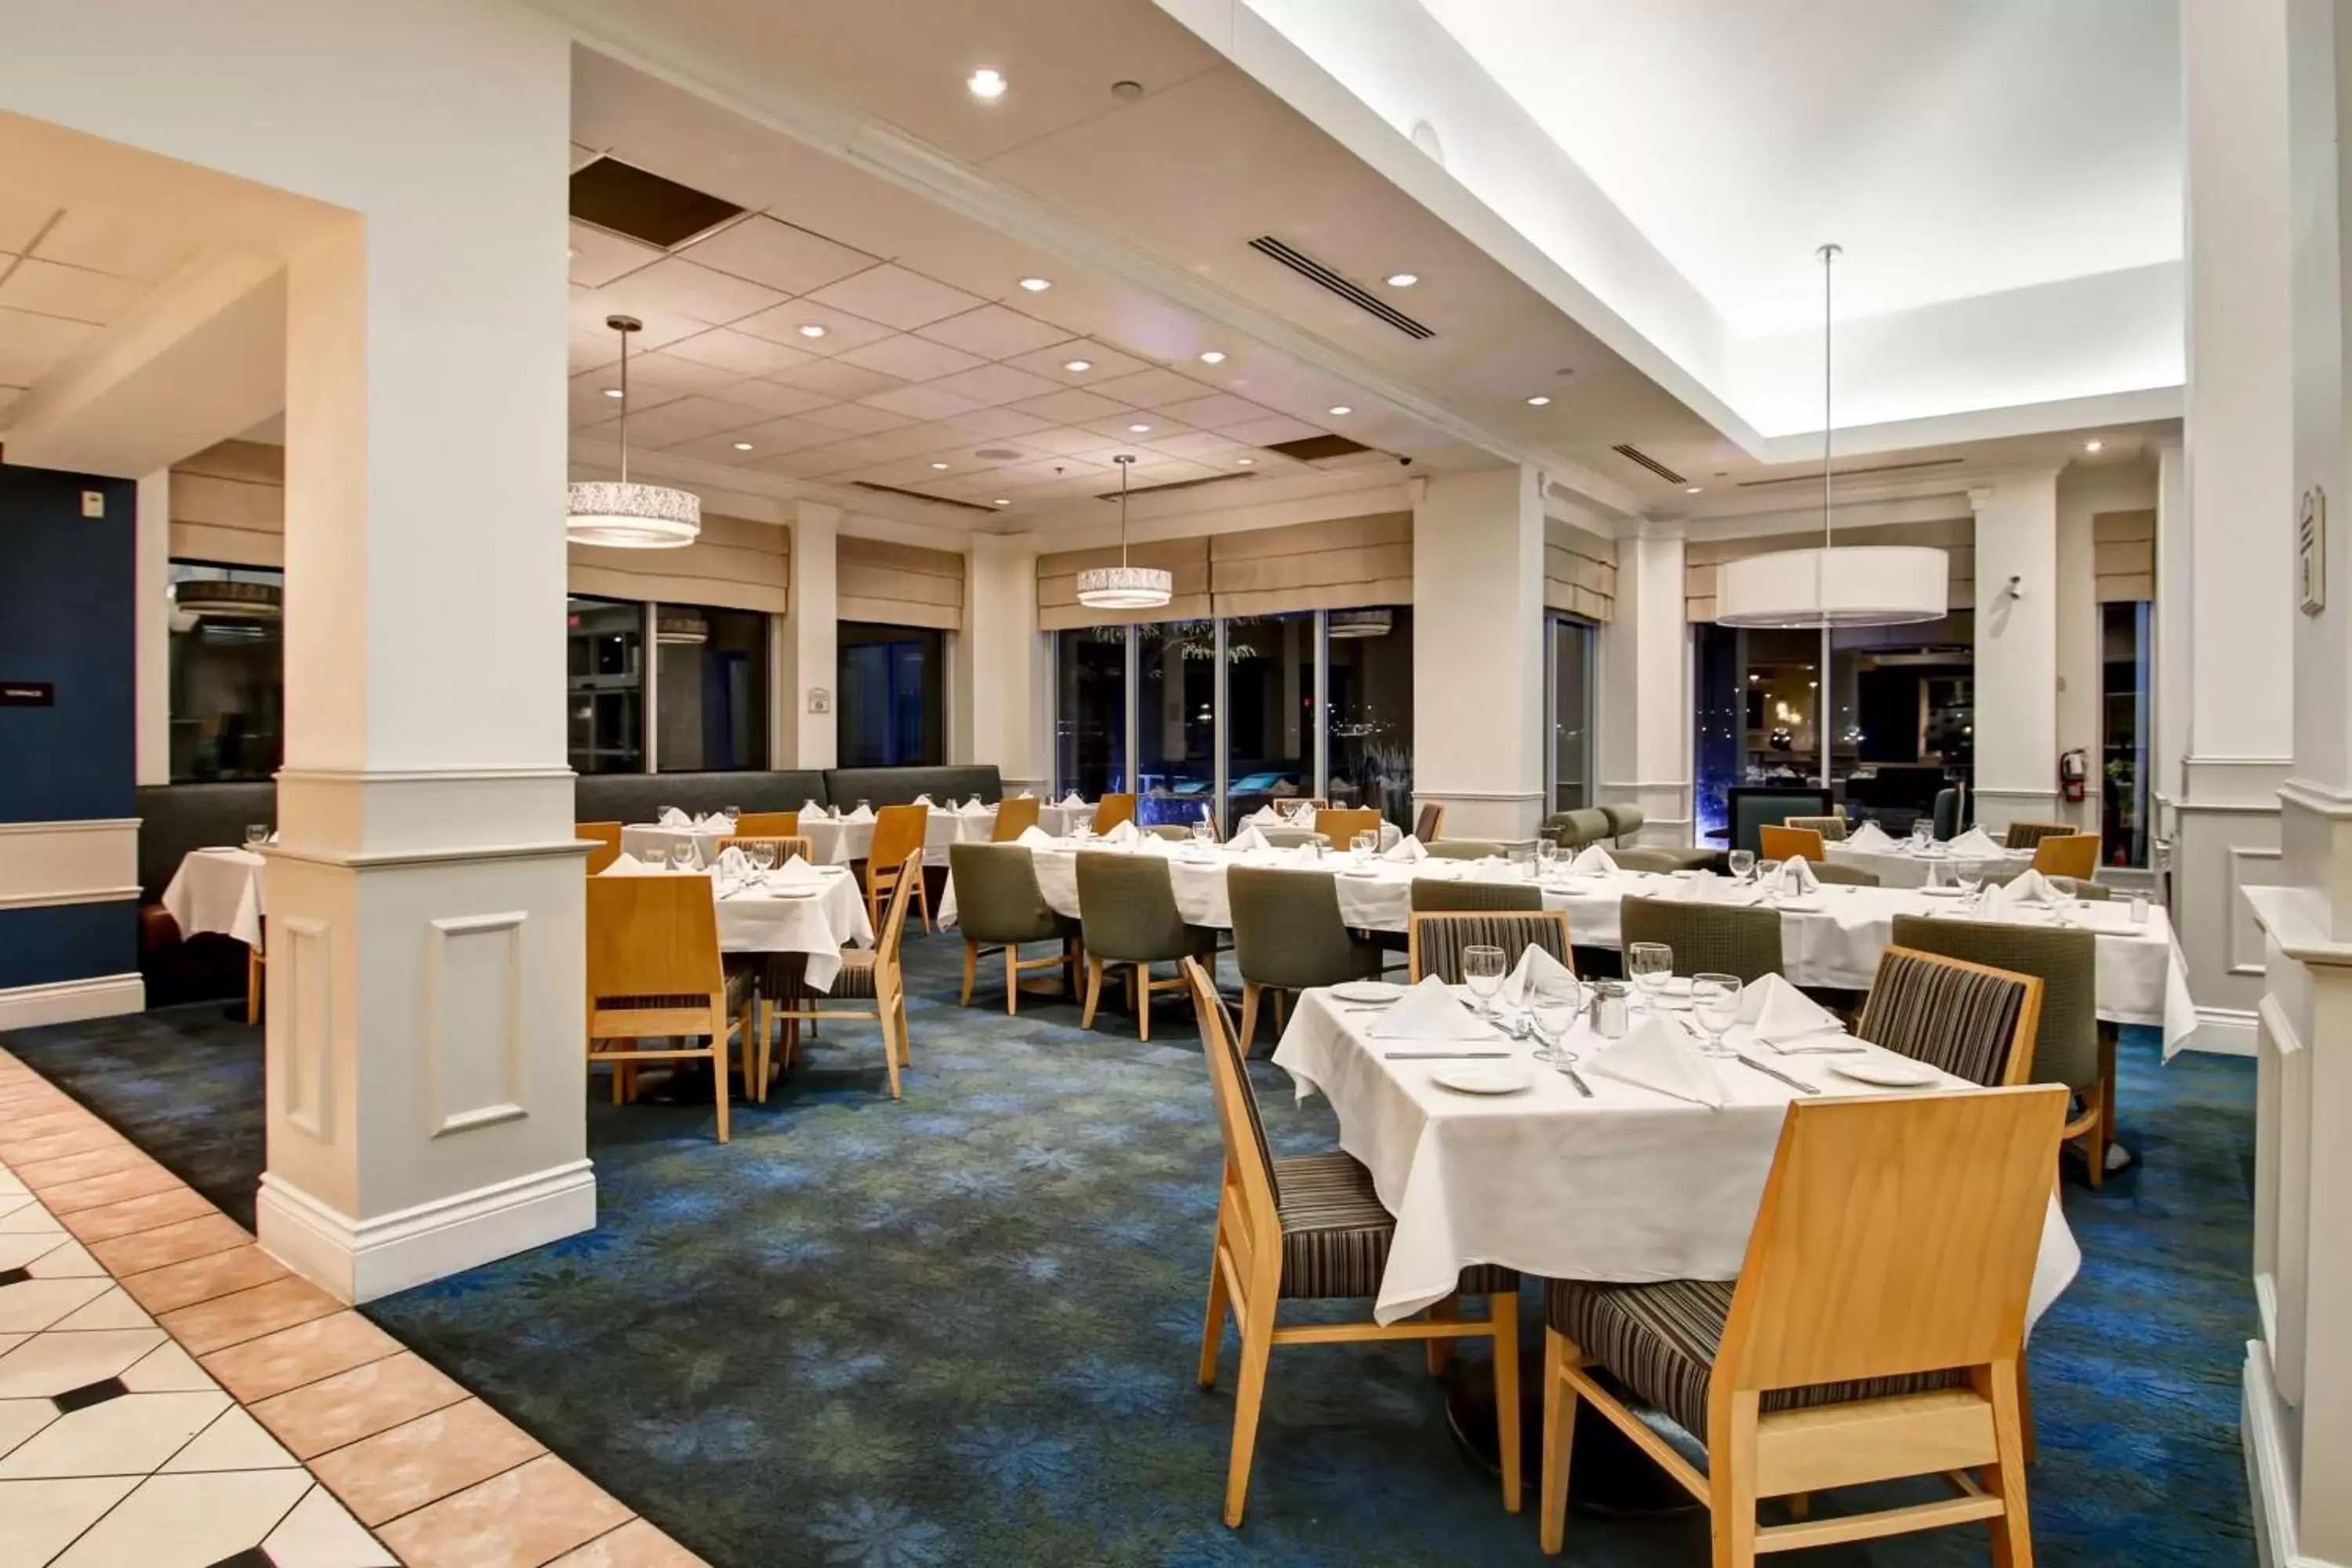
(1896, 1235)
(2073, 854)
(1830, 828)
(1012, 816)
(894, 914)
(1775, 842)
(786, 845)
(607, 836)
(1112, 810)
(768, 825)
(1968, 1019)
(899, 832)
(653, 958)
(1250, 1196)
(1435, 942)
(1429, 824)
(2025, 834)
(1340, 825)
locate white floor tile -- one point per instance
(115, 1310)
(34, 1304)
(189, 1521)
(20, 1216)
(9, 1185)
(20, 1418)
(53, 1363)
(70, 1260)
(321, 1534)
(44, 1516)
(10, 1342)
(131, 1434)
(233, 1442)
(20, 1250)
(167, 1369)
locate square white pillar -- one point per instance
(1478, 723)
(2017, 650)
(812, 654)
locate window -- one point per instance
(1269, 711)
(891, 696)
(710, 702)
(604, 685)
(1090, 710)
(1571, 713)
(227, 672)
(1175, 720)
(1370, 655)
(2123, 733)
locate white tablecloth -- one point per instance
(832, 841)
(1905, 868)
(219, 891)
(757, 919)
(1630, 1185)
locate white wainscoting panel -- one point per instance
(473, 1022)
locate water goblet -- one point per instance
(763, 855)
(1650, 965)
(733, 814)
(1362, 845)
(1923, 832)
(256, 834)
(1547, 854)
(682, 854)
(1482, 969)
(1969, 874)
(1552, 1014)
(1716, 999)
(1743, 864)
(865, 805)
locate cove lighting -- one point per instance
(986, 84)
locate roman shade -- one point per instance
(1579, 572)
(1957, 537)
(228, 505)
(2123, 555)
(898, 585)
(1344, 563)
(1187, 560)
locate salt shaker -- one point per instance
(1609, 1008)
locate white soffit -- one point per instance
(1665, 170)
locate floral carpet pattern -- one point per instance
(959, 1328)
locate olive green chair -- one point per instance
(1708, 939)
(1127, 907)
(1831, 871)
(1646, 858)
(1430, 895)
(1465, 850)
(1575, 829)
(999, 907)
(1622, 820)
(1292, 838)
(1287, 936)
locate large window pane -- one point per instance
(1571, 713)
(1372, 710)
(228, 672)
(1090, 712)
(1269, 711)
(2124, 699)
(712, 707)
(891, 696)
(604, 695)
(1176, 730)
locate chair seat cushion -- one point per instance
(856, 976)
(1335, 1235)
(1662, 1340)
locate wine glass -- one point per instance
(1482, 969)
(1650, 965)
(256, 834)
(682, 853)
(733, 814)
(1743, 864)
(1547, 855)
(1362, 845)
(1204, 836)
(763, 855)
(1552, 1013)
(661, 814)
(864, 805)
(1923, 832)
(1716, 999)
(1969, 874)
(2066, 888)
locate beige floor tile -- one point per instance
(321, 1534)
(68, 1260)
(21, 1250)
(247, 1315)
(53, 1363)
(27, 1131)
(636, 1544)
(20, 1418)
(423, 1460)
(169, 1244)
(522, 1518)
(34, 1304)
(292, 1357)
(20, 1216)
(114, 1154)
(129, 1435)
(234, 1441)
(137, 1183)
(45, 1516)
(55, 1145)
(166, 1369)
(356, 1404)
(115, 1310)
(189, 1521)
(177, 1285)
(134, 1215)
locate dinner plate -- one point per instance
(1484, 1081)
(792, 892)
(1367, 991)
(1944, 892)
(1887, 1072)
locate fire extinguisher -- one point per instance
(2073, 772)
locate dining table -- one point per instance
(1906, 863)
(832, 840)
(223, 891)
(775, 912)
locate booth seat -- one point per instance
(898, 786)
(636, 798)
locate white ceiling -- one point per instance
(66, 274)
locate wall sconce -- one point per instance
(2016, 589)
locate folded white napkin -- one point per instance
(1123, 834)
(798, 873)
(1796, 879)
(1869, 835)
(733, 862)
(1264, 816)
(811, 808)
(1035, 838)
(1655, 1055)
(1074, 801)
(1781, 1012)
(1537, 972)
(921, 800)
(1304, 817)
(1405, 851)
(862, 813)
(1026, 795)
(1309, 855)
(673, 817)
(628, 865)
(1975, 841)
(2028, 890)
(1593, 858)
(1430, 1011)
(1249, 837)
(975, 807)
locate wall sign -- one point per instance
(820, 699)
(27, 694)
(2311, 551)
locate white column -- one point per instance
(1646, 693)
(811, 653)
(1478, 657)
(1010, 677)
(2017, 650)
(152, 581)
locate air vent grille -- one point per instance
(1814, 478)
(1635, 455)
(1318, 448)
(638, 205)
(1175, 485)
(917, 495)
(1356, 294)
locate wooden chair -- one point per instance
(1340, 826)
(2073, 854)
(871, 974)
(999, 905)
(1112, 810)
(1830, 828)
(1435, 941)
(786, 845)
(2027, 834)
(1310, 1227)
(607, 836)
(1777, 842)
(257, 975)
(1970, 1020)
(1863, 1341)
(1428, 823)
(1012, 816)
(768, 825)
(899, 832)
(654, 972)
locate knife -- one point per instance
(1577, 1079)
(1797, 1084)
(1444, 1056)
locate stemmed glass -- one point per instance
(256, 834)
(1743, 864)
(1970, 875)
(1650, 965)
(1361, 847)
(1482, 969)
(1552, 1014)
(1716, 999)
(1923, 832)
(733, 814)
(1547, 855)
(764, 856)
(1768, 877)
(682, 854)
(1204, 836)
(2066, 888)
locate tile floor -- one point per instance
(171, 1397)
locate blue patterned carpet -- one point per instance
(959, 1330)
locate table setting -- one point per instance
(673, 829)
(764, 906)
(222, 890)
(1918, 861)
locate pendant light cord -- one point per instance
(1828, 253)
(624, 405)
(1824, 693)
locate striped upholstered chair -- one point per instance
(2026, 835)
(1310, 1227)
(1708, 939)
(1435, 941)
(1971, 1021)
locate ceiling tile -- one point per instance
(1171, 470)
(689, 416)
(719, 448)
(74, 293)
(801, 465)
(910, 441)
(994, 383)
(994, 331)
(87, 238)
(589, 405)
(1104, 362)
(911, 358)
(679, 287)
(1064, 440)
(895, 296)
(1047, 470)
(1201, 445)
(787, 435)
(778, 255)
(917, 472)
(1070, 407)
(1267, 431)
(843, 331)
(855, 418)
(592, 347)
(997, 423)
(9, 394)
(598, 257)
(920, 401)
(773, 397)
(739, 352)
(858, 452)
(661, 328)
(1120, 428)
(681, 375)
(1217, 410)
(21, 218)
(1149, 388)
(836, 380)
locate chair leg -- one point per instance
(1250, 990)
(1143, 1001)
(923, 900)
(2012, 1533)
(1559, 1440)
(1439, 1353)
(767, 1011)
(1011, 981)
(1094, 992)
(1731, 1483)
(905, 1052)
(718, 1080)
(2025, 1412)
(1502, 1309)
(1257, 1346)
(253, 985)
(1212, 1336)
(886, 1016)
(1281, 1019)
(970, 968)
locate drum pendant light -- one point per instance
(623, 516)
(1124, 587)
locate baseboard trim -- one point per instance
(2223, 1032)
(70, 1001)
(361, 1260)
(2269, 1484)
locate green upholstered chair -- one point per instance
(1973, 1022)
(2026, 835)
(1437, 940)
(1575, 829)
(1622, 820)
(1466, 849)
(998, 906)
(1291, 838)
(1431, 895)
(1127, 908)
(1830, 828)
(1831, 871)
(1287, 936)
(1647, 858)
(2072, 1047)
(1176, 832)
(1708, 939)
(1945, 815)
(1749, 807)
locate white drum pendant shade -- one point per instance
(632, 516)
(1852, 585)
(1123, 586)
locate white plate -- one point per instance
(1484, 1081)
(792, 892)
(1368, 991)
(1887, 1072)
(1944, 892)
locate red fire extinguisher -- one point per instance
(2073, 772)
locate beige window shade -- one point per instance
(2123, 553)
(1957, 537)
(1186, 559)
(898, 584)
(228, 505)
(1344, 563)
(1579, 572)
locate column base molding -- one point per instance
(360, 1260)
(70, 1001)
(2270, 1477)
(2222, 1032)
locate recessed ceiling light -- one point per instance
(1138, 429)
(742, 446)
(1243, 462)
(1036, 285)
(1404, 280)
(939, 465)
(999, 501)
(1077, 364)
(1214, 356)
(1341, 408)
(986, 83)
(1538, 401)
(812, 329)
(2093, 445)
(1693, 490)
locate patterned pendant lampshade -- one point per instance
(1124, 586)
(619, 514)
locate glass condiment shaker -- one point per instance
(1609, 1008)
